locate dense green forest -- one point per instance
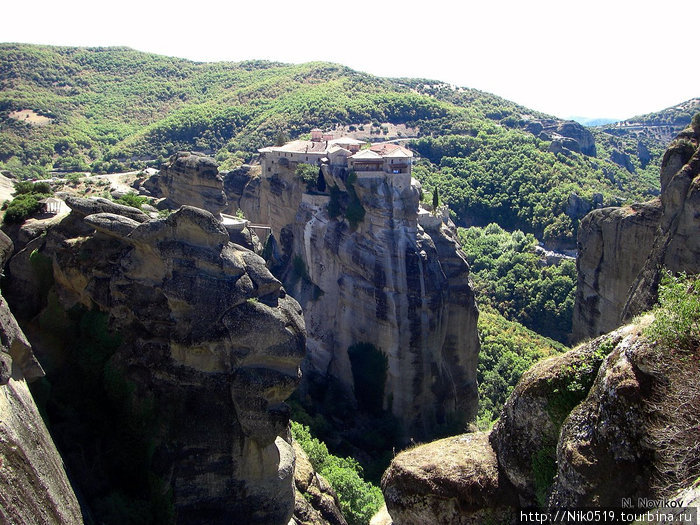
(508, 349)
(108, 109)
(514, 280)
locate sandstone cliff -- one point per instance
(34, 488)
(205, 348)
(396, 281)
(587, 428)
(622, 250)
(189, 178)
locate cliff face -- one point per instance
(34, 487)
(398, 285)
(621, 250)
(192, 179)
(602, 422)
(211, 346)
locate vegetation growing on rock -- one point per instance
(359, 500)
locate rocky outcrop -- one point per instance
(454, 480)
(210, 341)
(396, 281)
(34, 487)
(622, 250)
(566, 136)
(677, 243)
(526, 434)
(189, 179)
(315, 502)
(575, 131)
(611, 241)
(614, 418)
(622, 159)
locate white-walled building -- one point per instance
(384, 158)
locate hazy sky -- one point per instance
(593, 58)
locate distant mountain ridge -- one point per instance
(109, 109)
(663, 125)
(590, 122)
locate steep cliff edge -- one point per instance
(587, 428)
(34, 487)
(374, 274)
(189, 178)
(189, 347)
(621, 250)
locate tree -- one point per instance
(436, 199)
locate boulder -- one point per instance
(602, 454)
(83, 207)
(454, 480)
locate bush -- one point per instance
(132, 199)
(26, 187)
(677, 320)
(359, 500)
(308, 174)
(22, 207)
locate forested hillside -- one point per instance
(107, 109)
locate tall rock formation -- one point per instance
(396, 280)
(622, 250)
(189, 179)
(613, 418)
(209, 348)
(34, 487)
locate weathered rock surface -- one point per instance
(565, 136)
(622, 159)
(603, 454)
(526, 434)
(577, 132)
(454, 480)
(209, 336)
(315, 502)
(614, 418)
(611, 243)
(192, 179)
(622, 250)
(34, 487)
(391, 282)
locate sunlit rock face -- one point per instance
(34, 487)
(397, 280)
(209, 335)
(189, 178)
(622, 250)
(453, 480)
